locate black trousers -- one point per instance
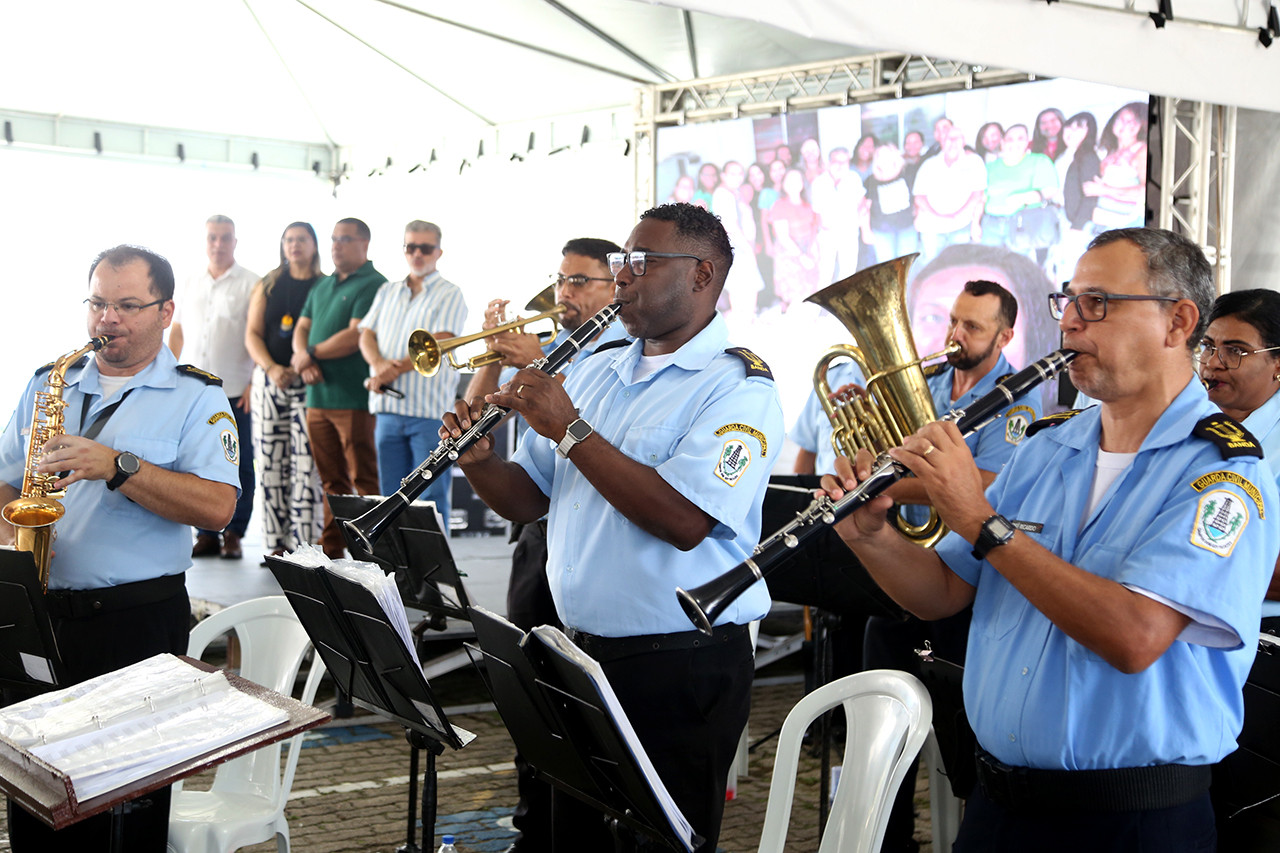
(92, 646)
(529, 604)
(990, 828)
(688, 708)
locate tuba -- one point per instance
(34, 513)
(872, 305)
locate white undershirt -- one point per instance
(112, 384)
(649, 364)
(1204, 629)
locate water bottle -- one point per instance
(446, 845)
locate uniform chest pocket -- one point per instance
(162, 453)
(651, 445)
(1004, 606)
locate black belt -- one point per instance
(1160, 786)
(79, 603)
(614, 648)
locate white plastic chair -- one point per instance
(944, 806)
(887, 716)
(246, 802)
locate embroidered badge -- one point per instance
(1016, 421)
(735, 456)
(1229, 435)
(230, 445)
(1202, 483)
(220, 416)
(749, 430)
(1220, 519)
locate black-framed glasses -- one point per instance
(1229, 354)
(638, 261)
(124, 309)
(1091, 306)
(424, 248)
(560, 279)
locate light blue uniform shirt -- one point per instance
(1262, 423)
(393, 317)
(812, 430)
(992, 445)
(1037, 698)
(712, 432)
(169, 419)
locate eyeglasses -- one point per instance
(1229, 354)
(124, 309)
(1092, 306)
(638, 260)
(424, 248)
(560, 279)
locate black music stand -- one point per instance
(370, 663)
(29, 660)
(562, 723)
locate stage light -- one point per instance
(97, 142)
(586, 135)
(1273, 21)
(432, 158)
(529, 148)
(315, 167)
(182, 153)
(1164, 14)
(254, 160)
(480, 150)
(8, 132)
(1264, 36)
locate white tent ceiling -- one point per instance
(356, 72)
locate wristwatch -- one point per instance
(126, 466)
(996, 531)
(576, 432)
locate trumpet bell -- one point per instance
(544, 301)
(424, 352)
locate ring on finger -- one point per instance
(518, 392)
(932, 447)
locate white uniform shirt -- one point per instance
(213, 314)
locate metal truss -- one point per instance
(1196, 188)
(873, 77)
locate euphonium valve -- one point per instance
(34, 513)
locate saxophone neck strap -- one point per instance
(100, 421)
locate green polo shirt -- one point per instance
(332, 305)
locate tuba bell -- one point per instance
(872, 305)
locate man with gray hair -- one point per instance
(209, 318)
(1116, 568)
(406, 403)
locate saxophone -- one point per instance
(34, 513)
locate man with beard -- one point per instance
(982, 321)
(583, 285)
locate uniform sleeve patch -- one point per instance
(751, 431)
(220, 417)
(755, 364)
(1202, 483)
(1052, 421)
(1221, 517)
(230, 445)
(203, 375)
(1016, 422)
(735, 456)
(1231, 438)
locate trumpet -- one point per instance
(427, 353)
(704, 604)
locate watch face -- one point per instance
(1000, 528)
(579, 429)
(128, 463)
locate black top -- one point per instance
(1079, 207)
(284, 304)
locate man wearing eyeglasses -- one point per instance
(406, 404)
(1116, 569)
(150, 449)
(326, 343)
(583, 285)
(652, 459)
(209, 318)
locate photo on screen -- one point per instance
(1007, 183)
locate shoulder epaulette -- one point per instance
(203, 375)
(755, 364)
(45, 368)
(1052, 421)
(936, 368)
(620, 342)
(1229, 435)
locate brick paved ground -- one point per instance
(351, 789)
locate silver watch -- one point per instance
(576, 432)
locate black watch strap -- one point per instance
(126, 466)
(996, 531)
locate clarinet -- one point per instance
(704, 604)
(362, 532)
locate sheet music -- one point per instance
(371, 577)
(115, 729)
(556, 641)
